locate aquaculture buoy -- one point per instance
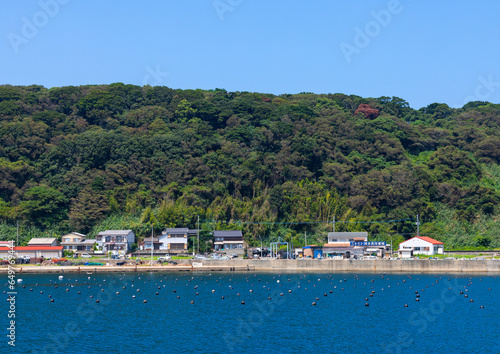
(314, 303)
(144, 301)
(51, 300)
(222, 297)
(406, 305)
(367, 304)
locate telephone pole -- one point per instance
(17, 243)
(198, 233)
(418, 226)
(334, 223)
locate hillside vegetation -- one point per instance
(89, 158)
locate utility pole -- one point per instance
(260, 246)
(198, 233)
(17, 243)
(152, 243)
(418, 226)
(334, 223)
(305, 236)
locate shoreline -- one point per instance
(422, 266)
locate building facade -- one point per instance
(77, 243)
(229, 242)
(422, 245)
(115, 240)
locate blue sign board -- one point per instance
(370, 243)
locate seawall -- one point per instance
(297, 265)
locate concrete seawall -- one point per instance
(298, 265)
(362, 266)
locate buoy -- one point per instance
(97, 301)
(178, 297)
(222, 297)
(192, 302)
(406, 305)
(367, 304)
(144, 301)
(51, 300)
(157, 293)
(19, 280)
(243, 302)
(481, 307)
(314, 303)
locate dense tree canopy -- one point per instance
(74, 158)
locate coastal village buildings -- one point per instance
(420, 245)
(115, 240)
(175, 240)
(340, 244)
(77, 243)
(229, 242)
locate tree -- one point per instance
(44, 206)
(87, 208)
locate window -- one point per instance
(67, 239)
(108, 238)
(119, 239)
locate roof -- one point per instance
(75, 233)
(41, 240)
(115, 233)
(88, 241)
(178, 229)
(229, 233)
(148, 239)
(33, 248)
(425, 238)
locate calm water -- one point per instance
(443, 321)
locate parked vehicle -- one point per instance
(86, 255)
(164, 258)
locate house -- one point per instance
(43, 242)
(229, 242)
(345, 244)
(175, 240)
(422, 245)
(115, 240)
(77, 242)
(146, 244)
(33, 251)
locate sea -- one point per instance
(191, 312)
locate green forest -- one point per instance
(118, 156)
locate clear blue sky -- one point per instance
(427, 51)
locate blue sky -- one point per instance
(422, 51)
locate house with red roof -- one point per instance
(420, 245)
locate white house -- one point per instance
(115, 240)
(421, 245)
(175, 240)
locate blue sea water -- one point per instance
(442, 321)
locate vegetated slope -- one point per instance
(92, 157)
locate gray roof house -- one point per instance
(175, 240)
(77, 242)
(115, 240)
(229, 242)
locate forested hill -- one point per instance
(121, 156)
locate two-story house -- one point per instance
(77, 242)
(115, 240)
(229, 242)
(175, 240)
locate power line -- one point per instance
(303, 222)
